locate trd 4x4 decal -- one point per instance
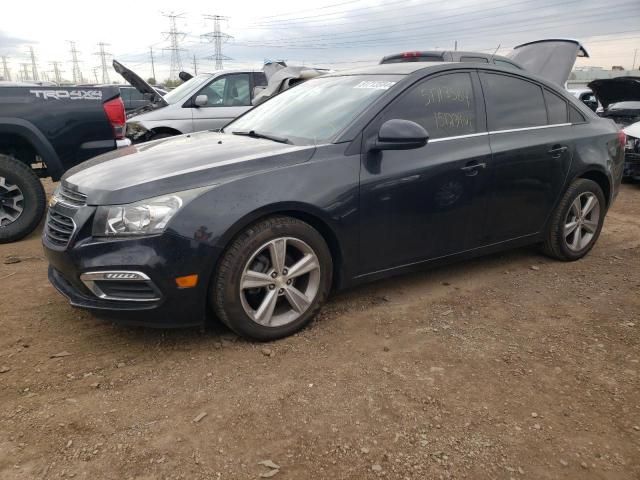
(68, 95)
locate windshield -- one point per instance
(179, 92)
(314, 111)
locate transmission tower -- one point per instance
(5, 68)
(77, 74)
(217, 37)
(25, 72)
(153, 65)
(95, 73)
(103, 61)
(174, 37)
(57, 72)
(34, 67)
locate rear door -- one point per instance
(228, 96)
(428, 202)
(530, 138)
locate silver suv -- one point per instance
(205, 102)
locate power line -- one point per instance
(34, 67)
(217, 37)
(103, 61)
(174, 37)
(75, 64)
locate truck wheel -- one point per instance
(22, 199)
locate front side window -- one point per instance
(512, 102)
(444, 106)
(228, 91)
(315, 111)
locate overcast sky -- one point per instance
(335, 33)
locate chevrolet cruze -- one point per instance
(346, 178)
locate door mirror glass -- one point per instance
(397, 134)
(201, 101)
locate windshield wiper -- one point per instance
(254, 134)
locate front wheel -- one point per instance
(22, 199)
(576, 222)
(273, 279)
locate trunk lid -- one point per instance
(552, 59)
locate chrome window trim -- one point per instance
(524, 129)
(458, 137)
(89, 279)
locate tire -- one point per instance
(253, 251)
(18, 218)
(566, 247)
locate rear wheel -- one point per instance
(273, 279)
(22, 199)
(577, 221)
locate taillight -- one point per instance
(114, 109)
(411, 54)
(622, 138)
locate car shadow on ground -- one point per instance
(340, 303)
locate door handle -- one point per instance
(557, 151)
(471, 170)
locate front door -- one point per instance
(228, 97)
(429, 202)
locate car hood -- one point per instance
(613, 90)
(632, 130)
(178, 163)
(552, 58)
(138, 83)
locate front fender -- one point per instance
(42, 146)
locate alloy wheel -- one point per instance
(581, 223)
(11, 202)
(280, 282)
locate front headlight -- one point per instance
(147, 217)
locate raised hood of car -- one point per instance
(552, 59)
(613, 90)
(138, 83)
(178, 163)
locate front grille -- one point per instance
(69, 197)
(59, 228)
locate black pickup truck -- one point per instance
(44, 131)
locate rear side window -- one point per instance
(556, 108)
(575, 116)
(444, 105)
(513, 102)
(259, 79)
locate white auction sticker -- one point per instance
(375, 85)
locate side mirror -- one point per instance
(201, 101)
(399, 134)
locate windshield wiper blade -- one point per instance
(254, 134)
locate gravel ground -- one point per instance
(509, 366)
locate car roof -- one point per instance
(404, 68)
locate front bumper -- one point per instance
(160, 258)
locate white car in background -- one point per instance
(204, 102)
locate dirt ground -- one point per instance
(510, 366)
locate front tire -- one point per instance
(22, 199)
(576, 222)
(273, 279)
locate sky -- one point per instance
(326, 33)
